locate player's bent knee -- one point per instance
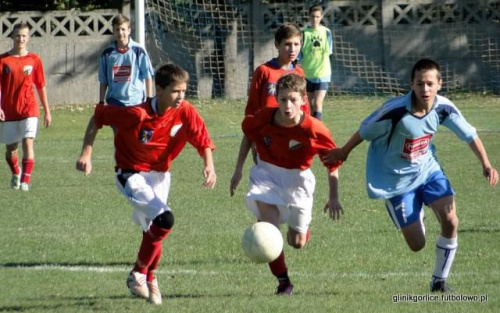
(165, 220)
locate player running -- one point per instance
(402, 167)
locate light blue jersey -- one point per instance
(125, 73)
(401, 154)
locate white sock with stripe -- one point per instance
(445, 254)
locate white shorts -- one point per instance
(14, 131)
(291, 190)
(148, 194)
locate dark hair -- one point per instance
(293, 82)
(19, 26)
(425, 64)
(316, 7)
(120, 19)
(170, 73)
(286, 31)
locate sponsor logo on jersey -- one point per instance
(414, 148)
(27, 69)
(271, 89)
(294, 145)
(6, 69)
(175, 129)
(122, 73)
(145, 135)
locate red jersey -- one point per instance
(288, 147)
(262, 91)
(146, 141)
(18, 75)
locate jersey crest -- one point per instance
(6, 69)
(145, 135)
(271, 89)
(267, 141)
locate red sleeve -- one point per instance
(254, 93)
(120, 117)
(252, 124)
(199, 136)
(322, 140)
(39, 78)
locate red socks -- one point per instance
(150, 250)
(278, 266)
(28, 165)
(13, 164)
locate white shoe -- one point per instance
(154, 292)
(136, 283)
(25, 187)
(15, 182)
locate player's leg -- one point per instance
(12, 159)
(28, 163)
(271, 214)
(439, 195)
(319, 96)
(447, 242)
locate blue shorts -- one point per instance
(312, 87)
(405, 209)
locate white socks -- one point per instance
(445, 254)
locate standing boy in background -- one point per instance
(315, 59)
(148, 137)
(125, 77)
(20, 71)
(262, 93)
(402, 167)
(282, 183)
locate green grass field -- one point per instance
(68, 244)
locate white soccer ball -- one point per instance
(262, 242)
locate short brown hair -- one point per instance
(170, 73)
(120, 19)
(286, 31)
(293, 82)
(19, 26)
(316, 7)
(425, 64)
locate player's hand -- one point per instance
(235, 180)
(491, 175)
(47, 119)
(83, 164)
(334, 156)
(334, 209)
(209, 177)
(2, 115)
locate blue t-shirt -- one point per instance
(125, 73)
(401, 154)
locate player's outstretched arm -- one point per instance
(209, 170)
(84, 163)
(489, 172)
(333, 206)
(341, 154)
(245, 147)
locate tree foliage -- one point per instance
(51, 5)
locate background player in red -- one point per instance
(20, 70)
(262, 93)
(282, 183)
(148, 137)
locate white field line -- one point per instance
(193, 272)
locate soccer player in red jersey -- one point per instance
(282, 183)
(262, 93)
(148, 137)
(20, 70)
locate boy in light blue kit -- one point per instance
(125, 79)
(402, 167)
